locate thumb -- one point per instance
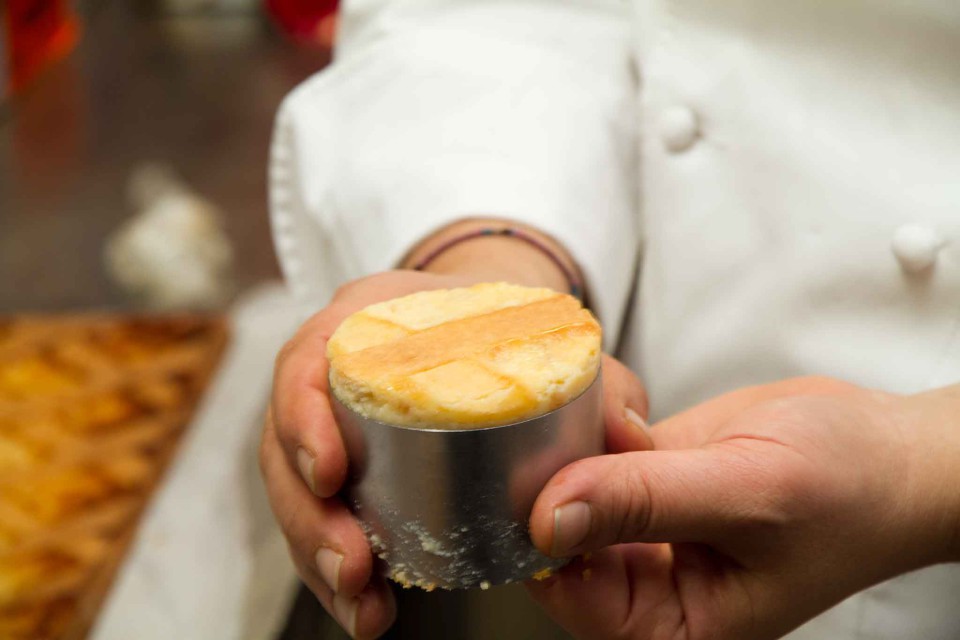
(692, 495)
(624, 409)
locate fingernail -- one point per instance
(634, 418)
(328, 564)
(345, 611)
(571, 524)
(305, 462)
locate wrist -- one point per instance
(532, 259)
(933, 421)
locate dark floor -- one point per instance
(197, 92)
(502, 613)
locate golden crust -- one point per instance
(90, 411)
(465, 358)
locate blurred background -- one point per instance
(134, 137)
(96, 91)
(133, 145)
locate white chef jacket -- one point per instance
(754, 189)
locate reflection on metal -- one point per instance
(449, 508)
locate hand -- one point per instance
(757, 511)
(304, 464)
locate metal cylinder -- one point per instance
(450, 508)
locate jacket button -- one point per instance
(679, 128)
(916, 247)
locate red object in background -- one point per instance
(310, 22)
(39, 32)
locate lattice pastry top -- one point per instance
(90, 411)
(465, 358)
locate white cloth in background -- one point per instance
(209, 560)
(791, 172)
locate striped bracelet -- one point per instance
(576, 287)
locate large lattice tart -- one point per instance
(90, 411)
(465, 358)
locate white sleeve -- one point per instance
(435, 110)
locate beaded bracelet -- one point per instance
(576, 288)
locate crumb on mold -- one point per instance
(543, 574)
(485, 585)
(377, 546)
(401, 578)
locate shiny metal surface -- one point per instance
(450, 508)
